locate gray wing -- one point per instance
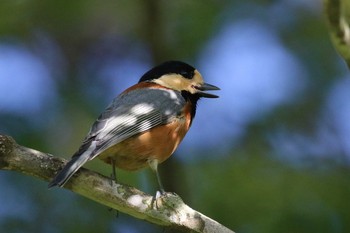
(129, 114)
(132, 113)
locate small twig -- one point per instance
(169, 209)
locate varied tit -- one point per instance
(143, 125)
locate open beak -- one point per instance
(207, 87)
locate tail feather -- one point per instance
(72, 167)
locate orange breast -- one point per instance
(157, 143)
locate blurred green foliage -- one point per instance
(249, 188)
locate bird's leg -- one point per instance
(153, 163)
(113, 177)
(114, 174)
(161, 188)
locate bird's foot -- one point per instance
(162, 197)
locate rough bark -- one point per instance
(166, 210)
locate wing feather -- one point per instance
(132, 113)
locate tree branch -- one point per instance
(338, 17)
(167, 210)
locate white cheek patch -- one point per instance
(173, 81)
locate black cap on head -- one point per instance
(169, 67)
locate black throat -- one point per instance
(193, 99)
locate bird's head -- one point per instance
(179, 76)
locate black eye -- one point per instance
(188, 75)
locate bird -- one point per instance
(144, 125)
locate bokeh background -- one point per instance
(270, 155)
